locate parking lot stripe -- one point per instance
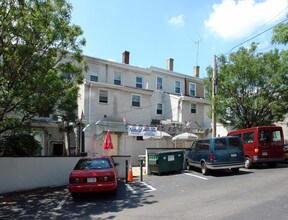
(150, 187)
(130, 188)
(62, 202)
(200, 177)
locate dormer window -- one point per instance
(192, 89)
(177, 87)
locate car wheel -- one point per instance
(247, 163)
(235, 170)
(204, 168)
(188, 167)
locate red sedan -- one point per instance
(93, 174)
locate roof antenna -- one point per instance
(197, 52)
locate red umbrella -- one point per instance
(107, 144)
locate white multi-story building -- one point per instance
(115, 95)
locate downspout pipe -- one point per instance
(89, 104)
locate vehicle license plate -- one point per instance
(233, 155)
(91, 180)
(264, 153)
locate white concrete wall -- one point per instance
(26, 173)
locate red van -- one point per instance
(263, 144)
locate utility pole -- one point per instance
(214, 92)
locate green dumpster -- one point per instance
(166, 161)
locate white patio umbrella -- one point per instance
(186, 137)
(159, 135)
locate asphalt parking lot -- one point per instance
(220, 195)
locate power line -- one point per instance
(268, 22)
(251, 38)
(266, 48)
(255, 36)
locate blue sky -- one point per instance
(155, 30)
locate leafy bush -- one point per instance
(19, 145)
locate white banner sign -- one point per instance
(142, 131)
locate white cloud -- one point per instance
(234, 19)
(177, 20)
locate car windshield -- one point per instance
(93, 163)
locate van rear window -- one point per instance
(234, 143)
(248, 137)
(202, 145)
(220, 144)
(276, 136)
(264, 135)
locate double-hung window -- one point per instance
(94, 74)
(136, 100)
(159, 83)
(139, 82)
(159, 109)
(93, 78)
(117, 78)
(193, 108)
(103, 96)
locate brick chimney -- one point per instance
(125, 57)
(196, 71)
(169, 65)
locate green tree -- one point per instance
(280, 34)
(251, 87)
(41, 61)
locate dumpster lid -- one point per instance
(167, 152)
